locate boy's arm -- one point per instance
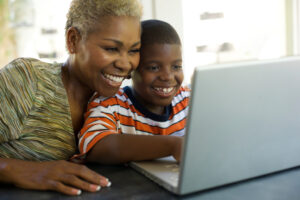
(100, 139)
(122, 148)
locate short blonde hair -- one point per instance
(85, 14)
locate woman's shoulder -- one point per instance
(30, 66)
(31, 71)
(24, 62)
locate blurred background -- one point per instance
(212, 31)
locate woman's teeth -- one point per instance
(114, 78)
(164, 90)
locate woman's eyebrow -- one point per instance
(136, 44)
(119, 43)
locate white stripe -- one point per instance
(100, 122)
(143, 133)
(97, 127)
(132, 130)
(179, 133)
(180, 97)
(99, 99)
(127, 129)
(121, 97)
(99, 112)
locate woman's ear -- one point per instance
(73, 38)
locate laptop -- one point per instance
(243, 122)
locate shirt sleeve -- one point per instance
(101, 120)
(17, 89)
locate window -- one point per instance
(226, 31)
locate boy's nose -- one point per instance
(166, 75)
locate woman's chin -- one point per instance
(108, 92)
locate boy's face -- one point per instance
(159, 74)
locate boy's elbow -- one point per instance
(106, 151)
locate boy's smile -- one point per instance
(158, 76)
(164, 92)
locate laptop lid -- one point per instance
(244, 121)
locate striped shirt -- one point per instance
(122, 114)
(35, 119)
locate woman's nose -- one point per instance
(123, 63)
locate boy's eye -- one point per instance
(177, 67)
(153, 68)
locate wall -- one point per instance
(7, 42)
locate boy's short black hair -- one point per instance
(158, 32)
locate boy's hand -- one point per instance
(177, 146)
(62, 176)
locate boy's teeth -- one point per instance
(165, 90)
(114, 78)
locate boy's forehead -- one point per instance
(159, 50)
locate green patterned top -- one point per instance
(35, 119)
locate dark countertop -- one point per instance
(129, 184)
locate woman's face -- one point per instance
(108, 55)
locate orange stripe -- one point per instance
(98, 138)
(87, 124)
(175, 127)
(93, 142)
(128, 121)
(180, 106)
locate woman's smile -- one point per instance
(113, 80)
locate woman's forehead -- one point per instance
(117, 28)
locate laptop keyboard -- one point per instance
(173, 168)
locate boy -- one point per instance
(146, 121)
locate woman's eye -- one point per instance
(111, 49)
(134, 51)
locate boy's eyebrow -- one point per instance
(178, 60)
(149, 61)
(119, 43)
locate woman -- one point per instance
(42, 105)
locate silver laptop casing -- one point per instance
(244, 122)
